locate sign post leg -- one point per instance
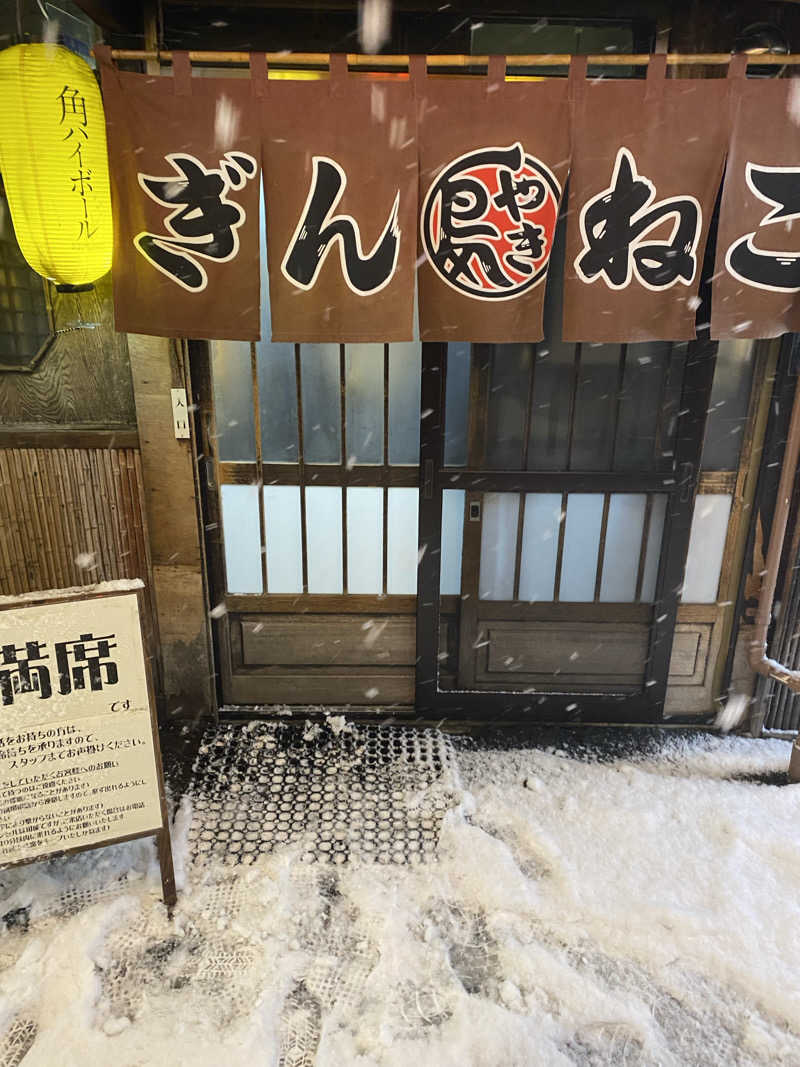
(164, 847)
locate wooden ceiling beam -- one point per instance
(116, 16)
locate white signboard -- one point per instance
(79, 759)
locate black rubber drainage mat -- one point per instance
(341, 791)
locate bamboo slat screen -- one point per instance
(69, 517)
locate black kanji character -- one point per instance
(614, 226)
(22, 671)
(85, 660)
(513, 192)
(73, 106)
(204, 221)
(528, 244)
(319, 230)
(82, 182)
(464, 200)
(776, 271)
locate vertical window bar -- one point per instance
(520, 526)
(344, 539)
(601, 551)
(623, 356)
(648, 509)
(663, 408)
(304, 536)
(343, 435)
(385, 492)
(299, 386)
(385, 465)
(385, 460)
(301, 465)
(478, 404)
(562, 527)
(573, 403)
(259, 464)
(526, 431)
(343, 405)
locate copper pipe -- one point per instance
(321, 59)
(758, 658)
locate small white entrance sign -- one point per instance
(80, 764)
(180, 413)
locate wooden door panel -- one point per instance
(690, 647)
(568, 652)
(322, 658)
(328, 640)
(362, 687)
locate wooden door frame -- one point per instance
(208, 502)
(680, 484)
(213, 473)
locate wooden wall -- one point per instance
(84, 379)
(70, 516)
(172, 494)
(72, 501)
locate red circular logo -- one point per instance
(488, 222)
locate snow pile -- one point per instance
(640, 912)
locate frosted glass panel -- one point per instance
(553, 374)
(364, 378)
(402, 541)
(537, 571)
(324, 538)
(640, 402)
(623, 547)
(498, 546)
(727, 413)
(456, 405)
(510, 372)
(284, 539)
(581, 546)
(655, 534)
(364, 540)
(277, 387)
(452, 541)
(233, 401)
(404, 389)
(706, 546)
(277, 394)
(595, 405)
(319, 370)
(242, 534)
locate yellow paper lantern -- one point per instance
(54, 163)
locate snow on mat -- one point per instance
(640, 912)
(353, 792)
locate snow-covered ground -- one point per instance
(644, 911)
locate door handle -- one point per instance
(208, 457)
(687, 482)
(209, 465)
(427, 479)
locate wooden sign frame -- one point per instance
(162, 833)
